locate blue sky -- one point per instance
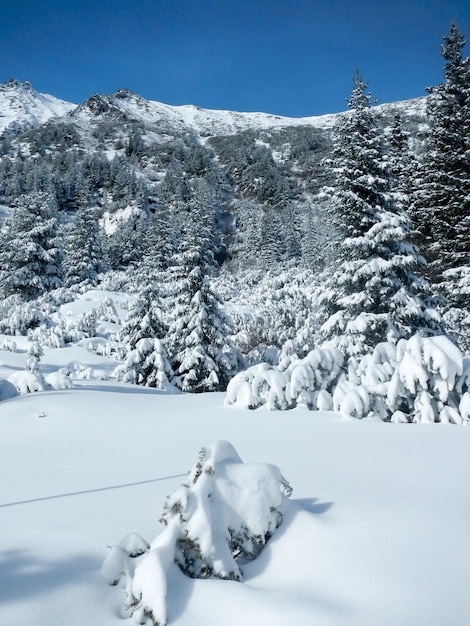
(291, 58)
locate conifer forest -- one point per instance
(321, 262)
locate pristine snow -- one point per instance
(375, 532)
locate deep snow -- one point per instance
(376, 531)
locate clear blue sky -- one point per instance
(287, 57)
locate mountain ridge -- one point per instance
(23, 108)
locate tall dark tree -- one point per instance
(84, 254)
(198, 344)
(374, 295)
(441, 209)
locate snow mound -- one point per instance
(28, 382)
(7, 390)
(225, 513)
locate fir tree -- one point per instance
(374, 295)
(441, 209)
(31, 255)
(84, 255)
(145, 319)
(198, 343)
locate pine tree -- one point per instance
(31, 255)
(144, 336)
(374, 295)
(159, 244)
(84, 255)
(145, 319)
(198, 343)
(441, 209)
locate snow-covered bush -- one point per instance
(224, 513)
(28, 382)
(8, 345)
(302, 382)
(422, 379)
(426, 382)
(86, 323)
(17, 318)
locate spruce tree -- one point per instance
(32, 253)
(145, 318)
(84, 255)
(374, 295)
(198, 344)
(441, 209)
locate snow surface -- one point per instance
(376, 531)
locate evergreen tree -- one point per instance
(441, 209)
(145, 319)
(159, 245)
(143, 335)
(198, 343)
(31, 255)
(402, 163)
(84, 255)
(374, 295)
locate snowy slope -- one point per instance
(375, 534)
(208, 122)
(21, 107)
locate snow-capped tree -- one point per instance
(145, 318)
(374, 295)
(143, 335)
(32, 254)
(159, 245)
(146, 364)
(84, 255)
(441, 208)
(198, 335)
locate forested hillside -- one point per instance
(242, 238)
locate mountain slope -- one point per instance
(22, 107)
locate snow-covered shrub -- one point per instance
(424, 381)
(312, 378)
(17, 318)
(106, 311)
(304, 382)
(86, 324)
(31, 379)
(259, 385)
(225, 513)
(59, 379)
(112, 348)
(351, 400)
(8, 345)
(28, 381)
(50, 336)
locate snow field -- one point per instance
(376, 531)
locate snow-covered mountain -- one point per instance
(22, 107)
